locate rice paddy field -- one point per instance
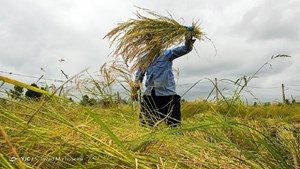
(56, 133)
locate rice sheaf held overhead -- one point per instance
(144, 35)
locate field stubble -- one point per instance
(65, 135)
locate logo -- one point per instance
(13, 159)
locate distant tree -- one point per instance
(32, 94)
(287, 101)
(70, 99)
(255, 104)
(17, 92)
(92, 102)
(86, 101)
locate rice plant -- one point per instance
(57, 133)
(102, 86)
(68, 135)
(241, 84)
(113, 138)
(148, 35)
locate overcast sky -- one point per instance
(35, 36)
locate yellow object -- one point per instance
(24, 85)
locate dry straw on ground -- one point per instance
(144, 35)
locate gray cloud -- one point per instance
(37, 34)
(271, 21)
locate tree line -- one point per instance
(18, 91)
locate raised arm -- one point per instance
(182, 50)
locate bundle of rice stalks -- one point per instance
(136, 38)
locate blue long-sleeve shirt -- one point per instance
(159, 73)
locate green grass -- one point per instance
(251, 137)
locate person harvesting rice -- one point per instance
(160, 99)
(147, 43)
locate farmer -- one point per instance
(160, 101)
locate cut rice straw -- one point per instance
(142, 36)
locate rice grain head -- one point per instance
(142, 36)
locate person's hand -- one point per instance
(189, 35)
(190, 28)
(189, 39)
(135, 87)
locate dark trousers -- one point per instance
(155, 109)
